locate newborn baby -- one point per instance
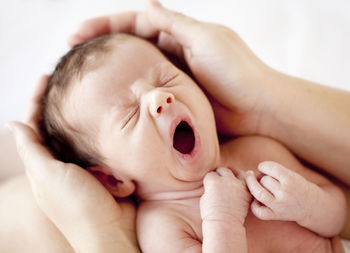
(118, 107)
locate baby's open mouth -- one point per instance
(184, 140)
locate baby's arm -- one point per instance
(224, 207)
(283, 194)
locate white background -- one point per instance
(309, 39)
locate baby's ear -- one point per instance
(117, 187)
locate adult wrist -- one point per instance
(274, 97)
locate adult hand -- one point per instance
(82, 209)
(248, 97)
(220, 61)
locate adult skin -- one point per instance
(249, 98)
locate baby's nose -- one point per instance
(161, 101)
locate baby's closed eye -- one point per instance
(165, 81)
(131, 115)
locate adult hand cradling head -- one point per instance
(248, 98)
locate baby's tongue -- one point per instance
(183, 138)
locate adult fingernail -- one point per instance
(155, 3)
(10, 126)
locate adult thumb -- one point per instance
(182, 28)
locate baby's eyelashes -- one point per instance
(167, 81)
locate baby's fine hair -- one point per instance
(66, 142)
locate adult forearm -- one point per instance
(91, 239)
(219, 236)
(311, 120)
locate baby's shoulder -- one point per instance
(248, 152)
(252, 142)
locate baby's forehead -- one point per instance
(129, 61)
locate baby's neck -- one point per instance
(195, 192)
(193, 189)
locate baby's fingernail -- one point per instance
(265, 164)
(250, 172)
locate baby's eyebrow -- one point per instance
(157, 69)
(154, 71)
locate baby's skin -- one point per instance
(180, 222)
(190, 201)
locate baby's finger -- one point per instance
(240, 174)
(274, 170)
(224, 172)
(33, 113)
(262, 212)
(209, 178)
(257, 190)
(270, 184)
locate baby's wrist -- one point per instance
(225, 218)
(222, 227)
(309, 202)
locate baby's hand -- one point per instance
(225, 197)
(281, 194)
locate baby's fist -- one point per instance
(225, 197)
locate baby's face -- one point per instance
(149, 120)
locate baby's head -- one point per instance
(118, 107)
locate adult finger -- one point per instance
(184, 29)
(33, 154)
(34, 111)
(132, 22)
(169, 44)
(41, 166)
